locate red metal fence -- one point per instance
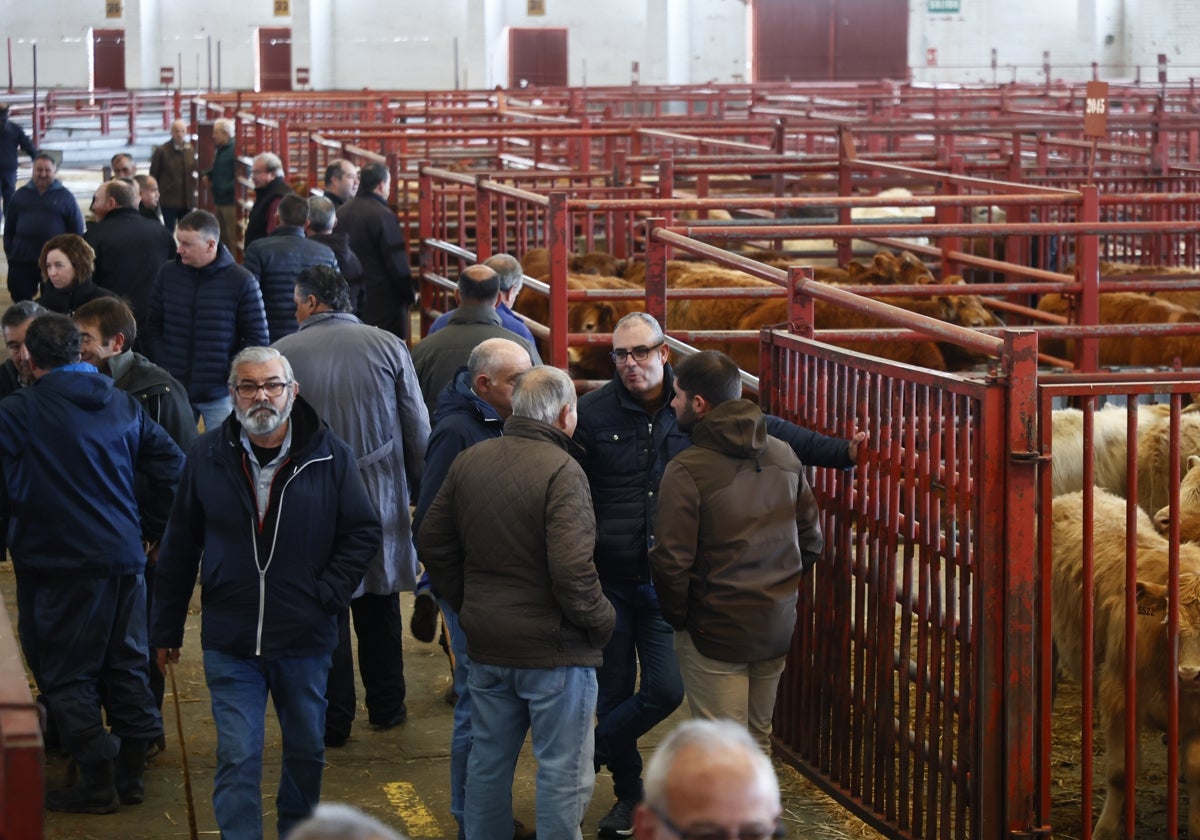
(21, 759)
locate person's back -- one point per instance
(129, 248)
(277, 260)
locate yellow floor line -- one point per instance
(417, 820)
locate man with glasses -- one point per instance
(708, 781)
(629, 433)
(204, 308)
(273, 512)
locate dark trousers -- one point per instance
(380, 661)
(85, 640)
(171, 215)
(8, 185)
(23, 280)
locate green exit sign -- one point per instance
(944, 6)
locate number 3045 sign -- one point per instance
(1095, 112)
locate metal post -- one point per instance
(37, 110)
(210, 87)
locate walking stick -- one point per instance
(187, 776)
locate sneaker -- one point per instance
(425, 617)
(619, 821)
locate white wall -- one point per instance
(350, 44)
(1075, 32)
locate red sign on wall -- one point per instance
(302, 76)
(166, 75)
(1095, 111)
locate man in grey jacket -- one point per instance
(361, 382)
(508, 542)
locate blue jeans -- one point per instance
(214, 412)
(460, 740)
(557, 704)
(623, 714)
(239, 689)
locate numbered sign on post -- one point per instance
(1095, 112)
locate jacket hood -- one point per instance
(735, 427)
(458, 398)
(81, 384)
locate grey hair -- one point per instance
(642, 318)
(541, 392)
(271, 161)
(226, 125)
(19, 313)
(258, 356)
(321, 213)
(335, 821)
(508, 269)
(488, 356)
(710, 736)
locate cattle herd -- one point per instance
(954, 304)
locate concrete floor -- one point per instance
(401, 776)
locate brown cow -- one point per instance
(1154, 677)
(1131, 308)
(536, 263)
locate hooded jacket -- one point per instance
(737, 527)
(72, 445)
(31, 219)
(625, 453)
(508, 542)
(200, 318)
(271, 588)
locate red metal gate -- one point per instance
(908, 690)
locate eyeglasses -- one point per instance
(745, 832)
(249, 390)
(639, 354)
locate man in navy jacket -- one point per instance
(71, 447)
(273, 513)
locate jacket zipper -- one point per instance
(262, 570)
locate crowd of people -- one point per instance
(593, 561)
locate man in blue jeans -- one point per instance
(471, 409)
(508, 542)
(628, 432)
(274, 514)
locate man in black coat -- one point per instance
(382, 247)
(322, 219)
(12, 140)
(129, 247)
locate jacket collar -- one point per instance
(305, 429)
(527, 427)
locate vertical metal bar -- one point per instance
(558, 230)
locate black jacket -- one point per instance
(130, 249)
(379, 243)
(258, 224)
(68, 300)
(626, 452)
(271, 588)
(276, 261)
(348, 264)
(13, 139)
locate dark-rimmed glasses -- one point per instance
(640, 354)
(249, 390)
(745, 832)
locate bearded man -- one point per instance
(273, 513)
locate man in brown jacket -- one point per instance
(737, 526)
(508, 542)
(173, 165)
